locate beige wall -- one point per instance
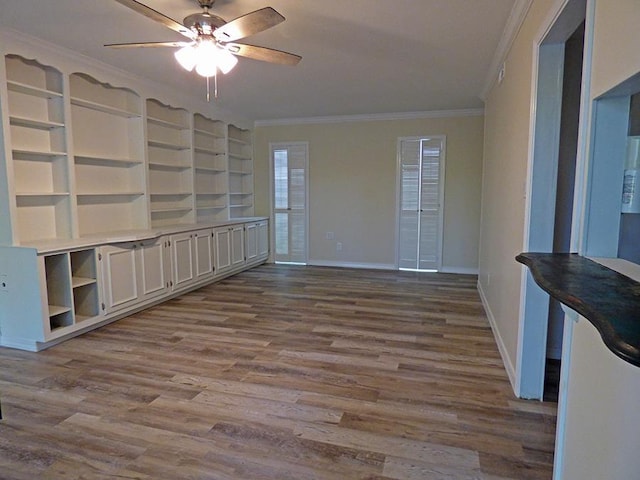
(352, 172)
(506, 150)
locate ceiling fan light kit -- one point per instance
(206, 57)
(208, 49)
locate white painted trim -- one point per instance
(583, 153)
(551, 22)
(471, 112)
(28, 345)
(339, 264)
(508, 366)
(570, 319)
(459, 270)
(511, 29)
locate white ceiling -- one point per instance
(359, 56)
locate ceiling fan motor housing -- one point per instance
(206, 3)
(203, 23)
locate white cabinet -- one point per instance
(237, 246)
(192, 254)
(204, 261)
(222, 249)
(251, 241)
(182, 253)
(263, 240)
(256, 241)
(155, 263)
(133, 272)
(119, 276)
(58, 294)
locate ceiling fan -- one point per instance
(211, 45)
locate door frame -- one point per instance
(272, 231)
(441, 181)
(548, 62)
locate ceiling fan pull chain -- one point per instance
(208, 95)
(215, 85)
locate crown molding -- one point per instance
(511, 29)
(470, 112)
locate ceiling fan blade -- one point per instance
(158, 17)
(263, 54)
(148, 44)
(248, 24)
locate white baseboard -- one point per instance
(509, 367)
(20, 344)
(332, 263)
(460, 270)
(385, 266)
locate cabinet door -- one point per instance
(119, 276)
(251, 241)
(263, 239)
(155, 267)
(222, 242)
(203, 254)
(182, 248)
(237, 246)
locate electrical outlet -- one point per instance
(330, 236)
(338, 246)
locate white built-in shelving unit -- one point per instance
(109, 165)
(240, 153)
(111, 201)
(210, 163)
(39, 162)
(170, 165)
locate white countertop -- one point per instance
(50, 246)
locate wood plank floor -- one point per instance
(279, 373)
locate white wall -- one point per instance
(602, 419)
(352, 188)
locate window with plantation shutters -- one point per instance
(290, 202)
(421, 174)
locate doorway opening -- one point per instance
(289, 180)
(551, 218)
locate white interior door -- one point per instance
(421, 193)
(289, 162)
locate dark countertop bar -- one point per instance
(608, 299)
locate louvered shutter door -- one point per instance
(409, 202)
(420, 209)
(430, 205)
(297, 203)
